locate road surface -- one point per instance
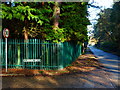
(111, 64)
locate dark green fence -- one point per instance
(38, 54)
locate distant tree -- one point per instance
(115, 20)
(102, 28)
(108, 27)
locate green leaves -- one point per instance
(38, 18)
(21, 12)
(74, 21)
(40, 22)
(108, 27)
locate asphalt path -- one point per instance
(111, 64)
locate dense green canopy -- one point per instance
(37, 19)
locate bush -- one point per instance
(109, 46)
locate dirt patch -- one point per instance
(84, 63)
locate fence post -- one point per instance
(18, 62)
(61, 55)
(1, 52)
(80, 49)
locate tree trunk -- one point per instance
(26, 30)
(25, 34)
(43, 3)
(26, 40)
(56, 16)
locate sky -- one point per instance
(94, 11)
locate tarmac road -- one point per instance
(111, 64)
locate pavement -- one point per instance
(106, 77)
(111, 65)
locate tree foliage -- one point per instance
(102, 28)
(74, 21)
(36, 19)
(108, 27)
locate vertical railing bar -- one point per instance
(2, 55)
(42, 49)
(1, 58)
(37, 55)
(1, 52)
(35, 52)
(40, 53)
(11, 42)
(54, 54)
(44, 55)
(20, 53)
(27, 52)
(58, 55)
(32, 50)
(16, 52)
(30, 53)
(13, 51)
(50, 54)
(47, 55)
(24, 53)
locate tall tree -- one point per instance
(107, 30)
(74, 20)
(115, 20)
(102, 28)
(48, 20)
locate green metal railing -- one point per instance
(38, 54)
